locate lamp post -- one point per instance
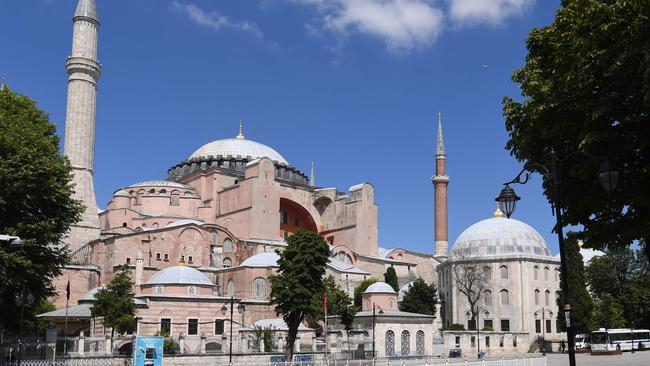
(374, 321)
(224, 309)
(478, 329)
(22, 299)
(543, 310)
(507, 200)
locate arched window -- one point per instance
(213, 237)
(162, 191)
(230, 288)
(487, 298)
(390, 343)
(227, 246)
(227, 263)
(406, 343)
(155, 226)
(487, 271)
(536, 273)
(557, 274)
(547, 298)
(343, 257)
(138, 197)
(419, 342)
(152, 191)
(504, 272)
(259, 288)
(536, 297)
(505, 298)
(391, 304)
(546, 270)
(174, 198)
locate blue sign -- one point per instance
(148, 351)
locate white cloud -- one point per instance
(402, 24)
(213, 19)
(464, 12)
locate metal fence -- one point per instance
(532, 361)
(105, 361)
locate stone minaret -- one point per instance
(440, 182)
(83, 73)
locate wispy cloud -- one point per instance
(463, 12)
(215, 20)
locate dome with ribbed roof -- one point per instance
(238, 148)
(179, 275)
(379, 288)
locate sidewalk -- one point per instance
(585, 359)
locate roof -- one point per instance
(90, 295)
(499, 236)
(74, 311)
(276, 324)
(403, 289)
(179, 275)
(268, 259)
(238, 147)
(160, 183)
(387, 313)
(341, 266)
(379, 288)
(87, 8)
(184, 222)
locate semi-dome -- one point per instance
(402, 290)
(500, 236)
(238, 147)
(159, 183)
(268, 259)
(179, 275)
(379, 288)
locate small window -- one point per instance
(159, 290)
(487, 324)
(487, 272)
(259, 289)
(505, 325)
(189, 259)
(219, 326)
(487, 342)
(487, 298)
(191, 290)
(166, 326)
(547, 298)
(536, 273)
(457, 340)
(227, 246)
(285, 217)
(227, 263)
(536, 297)
(192, 326)
(473, 341)
(174, 199)
(155, 225)
(548, 326)
(546, 271)
(557, 274)
(501, 341)
(230, 288)
(514, 341)
(505, 298)
(166, 257)
(504, 272)
(182, 259)
(158, 256)
(538, 326)
(128, 260)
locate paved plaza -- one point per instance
(626, 359)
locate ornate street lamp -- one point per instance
(224, 309)
(608, 176)
(507, 200)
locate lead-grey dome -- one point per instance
(179, 275)
(500, 236)
(379, 288)
(238, 147)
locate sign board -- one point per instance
(148, 351)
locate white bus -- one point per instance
(582, 341)
(619, 339)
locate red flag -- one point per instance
(325, 301)
(67, 291)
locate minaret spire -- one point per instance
(440, 182)
(312, 177)
(240, 135)
(83, 73)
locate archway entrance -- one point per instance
(294, 217)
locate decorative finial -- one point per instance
(2, 82)
(440, 146)
(240, 136)
(312, 178)
(498, 212)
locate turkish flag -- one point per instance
(67, 291)
(325, 301)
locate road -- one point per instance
(585, 359)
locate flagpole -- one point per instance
(65, 326)
(325, 302)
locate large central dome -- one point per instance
(500, 236)
(238, 147)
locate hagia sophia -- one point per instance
(203, 236)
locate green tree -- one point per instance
(581, 302)
(390, 277)
(607, 312)
(297, 290)
(36, 204)
(114, 303)
(358, 291)
(340, 304)
(420, 297)
(265, 336)
(586, 94)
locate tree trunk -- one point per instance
(291, 340)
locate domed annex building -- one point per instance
(203, 237)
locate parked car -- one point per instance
(455, 351)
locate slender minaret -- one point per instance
(440, 182)
(83, 73)
(312, 177)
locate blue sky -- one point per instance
(353, 85)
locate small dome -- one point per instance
(238, 147)
(403, 289)
(379, 288)
(276, 324)
(498, 236)
(121, 193)
(90, 295)
(179, 275)
(268, 259)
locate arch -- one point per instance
(152, 191)
(339, 251)
(343, 257)
(126, 348)
(390, 343)
(155, 226)
(227, 245)
(487, 271)
(391, 304)
(321, 204)
(162, 191)
(230, 288)
(536, 297)
(505, 297)
(138, 197)
(419, 342)
(487, 298)
(259, 289)
(294, 217)
(547, 297)
(227, 262)
(166, 313)
(536, 273)
(546, 273)
(213, 237)
(174, 199)
(557, 274)
(405, 343)
(504, 272)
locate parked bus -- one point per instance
(619, 339)
(582, 341)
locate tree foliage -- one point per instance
(607, 312)
(581, 302)
(471, 278)
(114, 303)
(586, 96)
(35, 203)
(361, 287)
(339, 303)
(421, 298)
(297, 290)
(390, 277)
